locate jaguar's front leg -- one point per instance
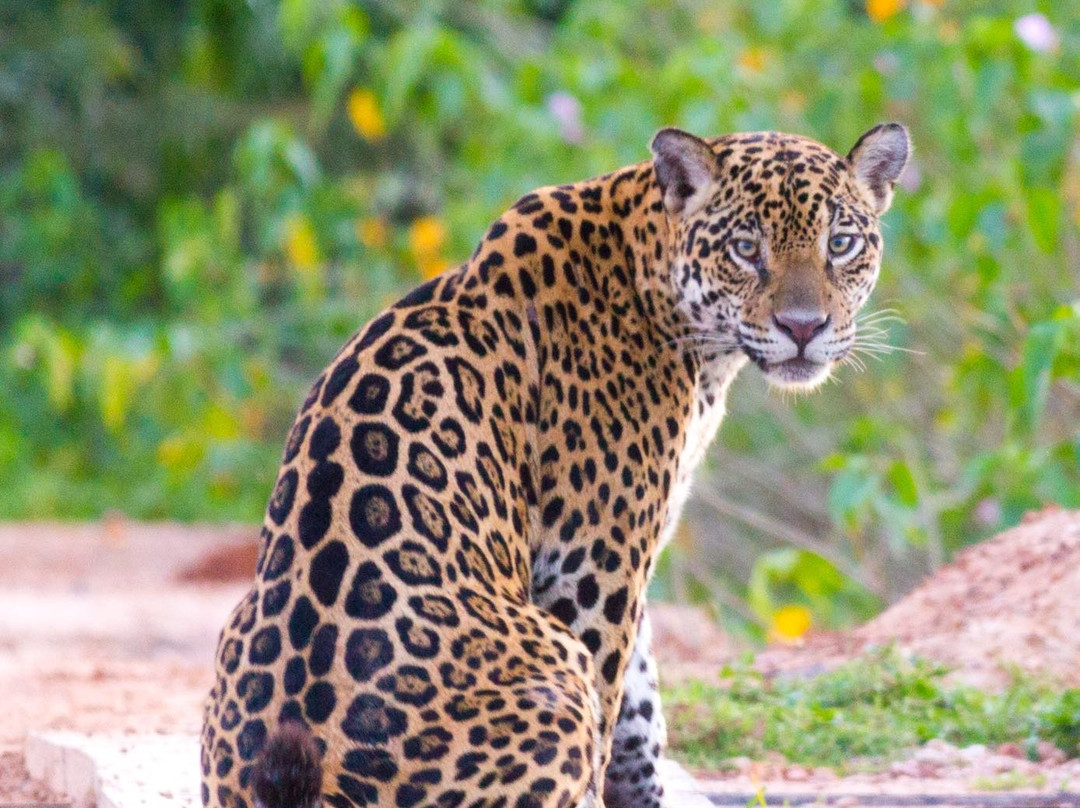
(632, 779)
(635, 777)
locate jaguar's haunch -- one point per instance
(450, 590)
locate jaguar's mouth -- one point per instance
(798, 373)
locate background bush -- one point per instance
(200, 200)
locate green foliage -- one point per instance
(790, 576)
(199, 202)
(860, 716)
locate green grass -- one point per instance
(1009, 781)
(861, 715)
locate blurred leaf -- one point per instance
(407, 57)
(903, 482)
(1044, 217)
(1042, 348)
(330, 65)
(804, 582)
(848, 493)
(117, 390)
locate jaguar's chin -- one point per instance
(797, 373)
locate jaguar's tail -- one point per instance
(288, 773)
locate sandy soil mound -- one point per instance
(1008, 602)
(1004, 604)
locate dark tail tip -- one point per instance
(288, 773)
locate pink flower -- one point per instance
(886, 63)
(1037, 33)
(988, 512)
(911, 177)
(566, 110)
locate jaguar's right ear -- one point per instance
(686, 169)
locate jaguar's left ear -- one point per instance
(877, 160)
(685, 168)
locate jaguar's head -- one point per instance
(776, 242)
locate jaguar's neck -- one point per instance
(591, 265)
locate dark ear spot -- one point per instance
(685, 168)
(877, 160)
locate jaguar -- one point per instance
(448, 605)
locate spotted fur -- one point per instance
(450, 589)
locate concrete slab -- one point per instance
(680, 788)
(127, 771)
(161, 771)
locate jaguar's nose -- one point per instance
(801, 325)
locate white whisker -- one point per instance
(867, 316)
(884, 348)
(855, 362)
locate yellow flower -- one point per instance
(881, 10)
(371, 232)
(753, 60)
(301, 247)
(363, 111)
(790, 623)
(427, 236)
(431, 267)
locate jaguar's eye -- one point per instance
(841, 244)
(746, 249)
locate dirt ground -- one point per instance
(111, 627)
(97, 634)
